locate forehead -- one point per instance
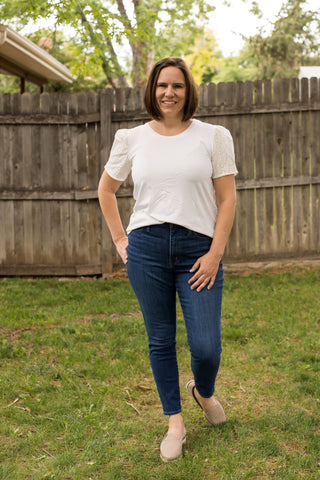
(171, 75)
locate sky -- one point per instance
(228, 23)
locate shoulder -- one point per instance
(222, 137)
(138, 130)
(215, 137)
(121, 134)
(124, 135)
(130, 134)
(211, 130)
(221, 131)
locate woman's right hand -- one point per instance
(121, 246)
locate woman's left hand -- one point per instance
(206, 268)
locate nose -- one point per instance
(169, 91)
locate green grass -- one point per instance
(77, 398)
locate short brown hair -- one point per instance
(192, 96)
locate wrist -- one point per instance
(118, 238)
(216, 252)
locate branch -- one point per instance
(125, 21)
(105, 61)
(123, 81)
(124, 14)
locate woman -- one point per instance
(183, 172)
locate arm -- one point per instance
(107, 197)
(206, 267)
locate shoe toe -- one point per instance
(171, 446)
(216, 414)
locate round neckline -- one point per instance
(171, 136)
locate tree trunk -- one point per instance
(142, 61)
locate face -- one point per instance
(171, 92)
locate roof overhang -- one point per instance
(309, 72)
(19, 56)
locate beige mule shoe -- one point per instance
(171, 446)
(216, 413)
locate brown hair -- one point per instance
(192, 96)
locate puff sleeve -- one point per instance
(119, 165)
(223, 159)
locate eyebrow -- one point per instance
(173, 83)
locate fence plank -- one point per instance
(305, 219)
(315, 195)
(3, 214)
(250, 214)
(261, 235)
(278, 165)
(212, 93)
(287, 232)
(106, 249)
(27, 153)
(92, 144)
(4, 145)
(9, 233)
(28, 105)
(234, 245)
(315, 165)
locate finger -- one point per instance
(203, 284)
(195, 277)
(195, 266)
(200, 282)
(200, 275)
(123, 254)
(211, 283)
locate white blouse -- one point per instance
(173, 175)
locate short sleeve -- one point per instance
(223, 159)
(119, 165)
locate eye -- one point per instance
(161, 85)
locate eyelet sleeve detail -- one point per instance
(223, 159)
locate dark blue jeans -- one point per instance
(159, 260)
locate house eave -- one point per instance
(19, 56)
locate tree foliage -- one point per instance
(279, 48)
(294, 40)
(103, 27)
(204, 58)
(115, 42)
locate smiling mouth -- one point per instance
(169, 103)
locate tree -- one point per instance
(102, 27)
(89, 74)
(294, 41)
(235, 69)
(204, 58)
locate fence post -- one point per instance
(106, 107)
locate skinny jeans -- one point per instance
(159, 261)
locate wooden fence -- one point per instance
(53, 148)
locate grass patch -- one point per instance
(77, 398)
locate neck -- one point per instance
(170, 126)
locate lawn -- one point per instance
(78, 402)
